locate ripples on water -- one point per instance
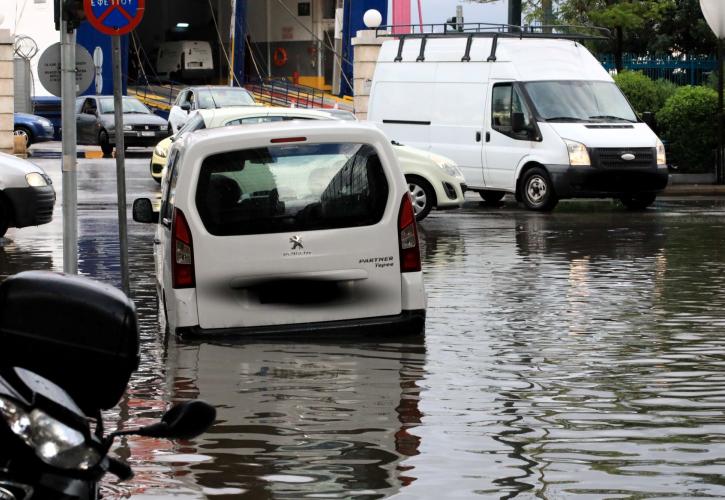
(566, 355)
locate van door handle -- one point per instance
(488, 136)
(478, 136)
(157, 241)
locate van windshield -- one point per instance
(580, 101)
(291, 188)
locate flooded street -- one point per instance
(579, 354)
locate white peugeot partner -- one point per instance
(529, 115)
(286, 227)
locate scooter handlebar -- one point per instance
(119, 469)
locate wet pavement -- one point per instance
(578, 354)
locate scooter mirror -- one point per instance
(183, 421)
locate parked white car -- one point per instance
(27, 196)
(207, 97)
(303, 227)
(434, 181)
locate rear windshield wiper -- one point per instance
(609, 117)
(564, 119)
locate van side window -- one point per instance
(505, 101)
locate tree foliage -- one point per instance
(639, 26)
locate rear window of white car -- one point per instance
(290, 188)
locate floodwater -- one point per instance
(579, 354)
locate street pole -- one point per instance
(120, 161)
(69, 161)
(720, 169)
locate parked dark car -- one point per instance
(33, 128)
(96, 125)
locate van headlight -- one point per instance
(34, 179)
(160, 151)
(451, 169)
(661, 156)
(54, 443)
(578, 154)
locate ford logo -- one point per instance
(628, 157)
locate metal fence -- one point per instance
(691, 70)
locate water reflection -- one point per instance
(590, 351)
(301, 419)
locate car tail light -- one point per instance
(409, 249)
(182, 252)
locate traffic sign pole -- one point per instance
(120, 162)
(118, 18)
(68, 120)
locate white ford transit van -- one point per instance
(533, 116)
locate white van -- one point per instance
(536, 117)
(286, 227)
(185, 60)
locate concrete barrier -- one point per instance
(7, 101)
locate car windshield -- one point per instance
(580, 101)
(291, 188)
(222, 98)
(130, 105)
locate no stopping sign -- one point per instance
(114, 17)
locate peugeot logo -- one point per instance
(296, 242)
(628, 157)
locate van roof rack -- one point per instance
(487, 30)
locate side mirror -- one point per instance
(184, 421)
(518, 123)
(186, 107)
(649, 118)
(143, 211)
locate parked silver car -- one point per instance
(96, 126)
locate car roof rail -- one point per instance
(424, 32)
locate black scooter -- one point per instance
(68, 347)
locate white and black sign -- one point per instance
(49, 69)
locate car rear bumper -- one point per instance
(591, 182)
(406, 323)
(32, 206)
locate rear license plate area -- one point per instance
(300, 292)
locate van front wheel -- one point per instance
(537, 191)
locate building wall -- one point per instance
(7, 102)
(36, 21)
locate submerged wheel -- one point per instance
(106, 145)
(422, 195)
(491, 197)
(537, 191)
(638, 201)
